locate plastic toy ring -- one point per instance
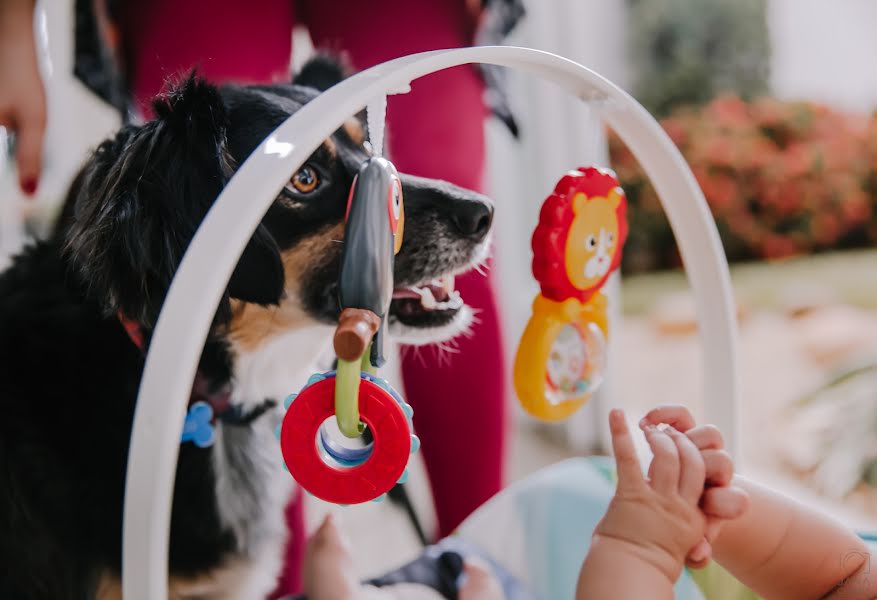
(342, 475)
(562, 356)
(349, 457)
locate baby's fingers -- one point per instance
(719, 467)
(678, 417)
(706, 437)
(724, 502)
(626, 462)
(700, 555)
(664, 470)
(692, 472)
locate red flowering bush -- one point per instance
(781, 178)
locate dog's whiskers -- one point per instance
(444, 350)
(417, 355)
(469, 330)
(482, 266)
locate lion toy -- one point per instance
(576, 246)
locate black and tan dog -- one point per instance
(69, 371)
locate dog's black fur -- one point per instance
(69, 373)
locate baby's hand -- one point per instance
(720, 501)
(656, 520)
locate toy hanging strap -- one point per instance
(593, 124)
(376, 118)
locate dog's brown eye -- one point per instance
(305, 180)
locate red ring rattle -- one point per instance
(311, 463)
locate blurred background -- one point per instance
(772, 104)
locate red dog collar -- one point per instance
(219, 402)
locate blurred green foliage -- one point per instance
(689, 51)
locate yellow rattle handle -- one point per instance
(561, 356)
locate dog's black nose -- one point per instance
(473, 218)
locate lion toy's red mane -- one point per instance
(555, 219)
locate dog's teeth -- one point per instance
(448, 284)
(453, 303)
(427, 300)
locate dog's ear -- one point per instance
(258, 277)
(321, 72)
(143, 196)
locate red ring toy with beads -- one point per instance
(304, 451)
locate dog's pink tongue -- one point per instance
(400, 293)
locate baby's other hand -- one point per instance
(657, 520)
(721, 501)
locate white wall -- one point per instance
(825, 51)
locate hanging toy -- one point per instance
(353, 394)
(576, 246)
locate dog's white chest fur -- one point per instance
(252, 487)
(281, 365)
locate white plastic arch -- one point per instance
(207, 265)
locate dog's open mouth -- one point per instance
(429, 304)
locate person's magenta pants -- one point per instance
(434, 131)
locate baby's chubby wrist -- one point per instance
(640, 556)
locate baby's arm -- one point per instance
(779, 548)
(639, 546)
(782, 549)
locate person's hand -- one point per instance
(329, 574)
(720, 500)
(22, 98)
(655, 520)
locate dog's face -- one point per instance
(141, 197)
